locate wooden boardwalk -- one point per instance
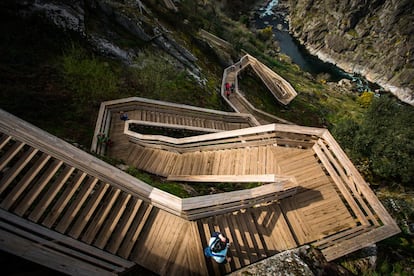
(64, 208)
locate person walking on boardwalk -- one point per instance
(217, 248)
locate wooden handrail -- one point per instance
(262, 178)
(355, 176)
(226, 134)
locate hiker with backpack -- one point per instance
(217, 248)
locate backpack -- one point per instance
(207, 252)
(216, 246)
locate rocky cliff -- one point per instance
(102, 23)
(373, 38)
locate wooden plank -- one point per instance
(261, 165)
(177, 258)
(363, 187)
(67, 193)
(155, 154)
(153, 240)
(88, 211)
(346, 180)
(265, 178)
(347, 246)
(254, 155)
(24, 182)
(101, 215)
(124, 225)
(171, 164)
(132, 236)
(37, 188)
(4, 140)
(238, 256)
(346, 234)
(256, 239)
(196, 260)
(14, 171)
(167, 242)
(48, 197)
(251, 247)
(76, 205)
(12, 152)
(348, 197)
(112, 221)
(298, 225)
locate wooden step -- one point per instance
(11, 152)
(27, 179)
(38, 187)
(112, 221)
(4, 139)
(14, 171)
(75, 205)
(134, 232)
(101, 215)
(90, 208)
(67, 193)
(48, 197)
(124, 225)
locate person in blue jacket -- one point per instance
(217, 248)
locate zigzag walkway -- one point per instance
(62, 204)
(66, 209)
(279, 87)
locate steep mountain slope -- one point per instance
(373, 38)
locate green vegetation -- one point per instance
(90, 79)
(381, 142)
(365, 98)
(156, 77)
(173, 188)
(266, 33)
(183, 190)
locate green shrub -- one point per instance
(266, 33)
(90, 79)
(365, 98)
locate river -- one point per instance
(275, 16)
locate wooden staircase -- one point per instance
(68, 200)
(57, 196)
